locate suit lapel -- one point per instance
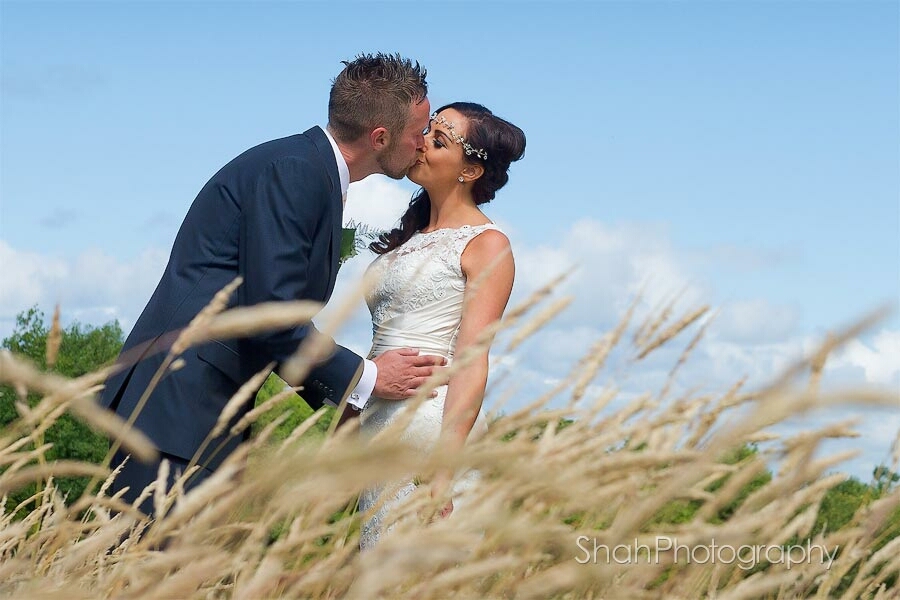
(335, 203)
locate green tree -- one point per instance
(884, 480)
(682, 511)
(840, 503)
(82, 350)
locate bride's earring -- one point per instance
(460, 179)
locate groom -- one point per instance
(273, 216)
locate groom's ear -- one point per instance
(379, 138)
(473, 172)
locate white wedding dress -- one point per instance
(416, 302)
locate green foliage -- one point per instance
(355, 238)
(884, 480)
(536, 430)
(83, 349)
(677, 512)
(348, 243)
(890, 532)
(683, 511)
(844, 500)
(29, 338)
(295, 406)
(840, 503)
(740, 454)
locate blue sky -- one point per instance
(743, 154)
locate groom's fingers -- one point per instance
(429, 360)
(425, 371)
(418, 359)
(414, 385)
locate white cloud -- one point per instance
(879, 359)
(22, 280)
(725, 362)
(755, 320)
(615, 264)
(876, 430)
(92, 286)
(377, 202)
(884, 429)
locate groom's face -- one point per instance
(401, 153)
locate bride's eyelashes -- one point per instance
(440, 139)
(436, 135)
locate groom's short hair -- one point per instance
(374, 90)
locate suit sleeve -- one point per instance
(277, 231)
(330, 381)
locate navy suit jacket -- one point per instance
(273, 216)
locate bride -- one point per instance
(442, 277)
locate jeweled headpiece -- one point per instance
(467, 147)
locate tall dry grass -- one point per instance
(277, 519)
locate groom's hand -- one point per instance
(401, 372)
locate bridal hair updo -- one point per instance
(504, 144)
(374, 90)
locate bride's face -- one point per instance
(441, 160)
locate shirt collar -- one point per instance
(343, 169)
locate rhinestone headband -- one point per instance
(480, 153)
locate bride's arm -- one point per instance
(488, 266)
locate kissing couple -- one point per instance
(273, 216)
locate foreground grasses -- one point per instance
(560, 489)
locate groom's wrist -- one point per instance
(360, 395)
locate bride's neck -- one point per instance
(453, 209)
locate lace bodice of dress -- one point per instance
(417, 300)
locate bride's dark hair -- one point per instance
(504, 143)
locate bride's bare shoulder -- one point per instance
(485, 248)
